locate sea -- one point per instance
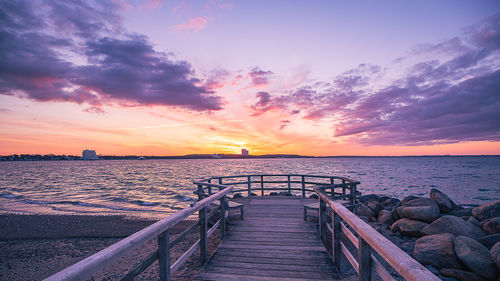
(157, 188)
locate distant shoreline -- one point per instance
(36, 157)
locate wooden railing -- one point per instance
(264, 184)
(368, 243)
(86, 268)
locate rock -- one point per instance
(492, 226)
(237, 195)
(363, 210)
(444, 202)
(486, 211)
(436, 250)
(475, 256)
(394, 213)
(273, 194)
(460, 275)
(473, 220)
(489, 240)
(284, 193)
(409, 198)
(461, 213)
(391, 202)
(314, 196)
(453, 225)
(385, 217)
(423, 213)
(253, 194)
(368, 197)
(375, 206)
(495, 254)
(421, 202)
(399, 210)
(409, 227)
(432, 269)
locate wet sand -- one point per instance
(33, 247)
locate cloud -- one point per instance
(193, 25)
(450, 92)
(78, 52)
(259, 77)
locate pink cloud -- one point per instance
(193, 25)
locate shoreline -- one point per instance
(33, 247)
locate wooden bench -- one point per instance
(232, 206)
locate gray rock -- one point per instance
(390, 202)
(409, 227)
(444, 202)
(422, 213)
(460, 275)
(436, 250)
(313, 196)
(409, 198)
(375, 206)
(273, 194)
(385, 217)
(473, 220)
(368, 197)
(495, 254)
(489, 240)
(492, 226)
(475, 256)
(461, 213)
(421, 202)
(486, 211)
(394, 213)
(237, 195)
(453, 225)
(284, 193)
(363, 210)
(399, 211)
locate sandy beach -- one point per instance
(33, 247)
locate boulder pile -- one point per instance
(461, 243)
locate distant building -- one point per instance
(89, 155)
(244, 152)
(216, 156)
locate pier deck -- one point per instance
(272, 243)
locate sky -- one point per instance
(320, 78)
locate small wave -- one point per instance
(10, 196)
(183, 198)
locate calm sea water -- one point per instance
(155, 188)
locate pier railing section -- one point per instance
(86, 268)
(366, 244)
(292, 184)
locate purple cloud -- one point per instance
(40, 42)
(452, 97)
(259, 77)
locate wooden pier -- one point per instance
(270, 239)
(273, 242)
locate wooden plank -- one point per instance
(273, 254)
(349, 257)
(274, 273)
(382, 272)
(312, 262)
(274, 243)
(269, 229)
(210, 276)
(269, 266)
(364, 261)
(273, 239)
(349, 235)
(276, 202)
(301, 248)
(184, 257)
(164, 255)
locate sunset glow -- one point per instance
(276, 77)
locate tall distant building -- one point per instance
(89, 155)
(244, 152)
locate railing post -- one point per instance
(289, 188)
(223, 216)
(353, 194)
(343, 190)
(164, 255)
(333, 189)
(209, 187)
(322, 219)
(249, 186)
(220, 180)
(203, 235)
(336, 239)
(200, 192)
(262, 185)
(303, 181)
(365, 260)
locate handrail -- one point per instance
(84, 269)
(368, 240)
(304, 183)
